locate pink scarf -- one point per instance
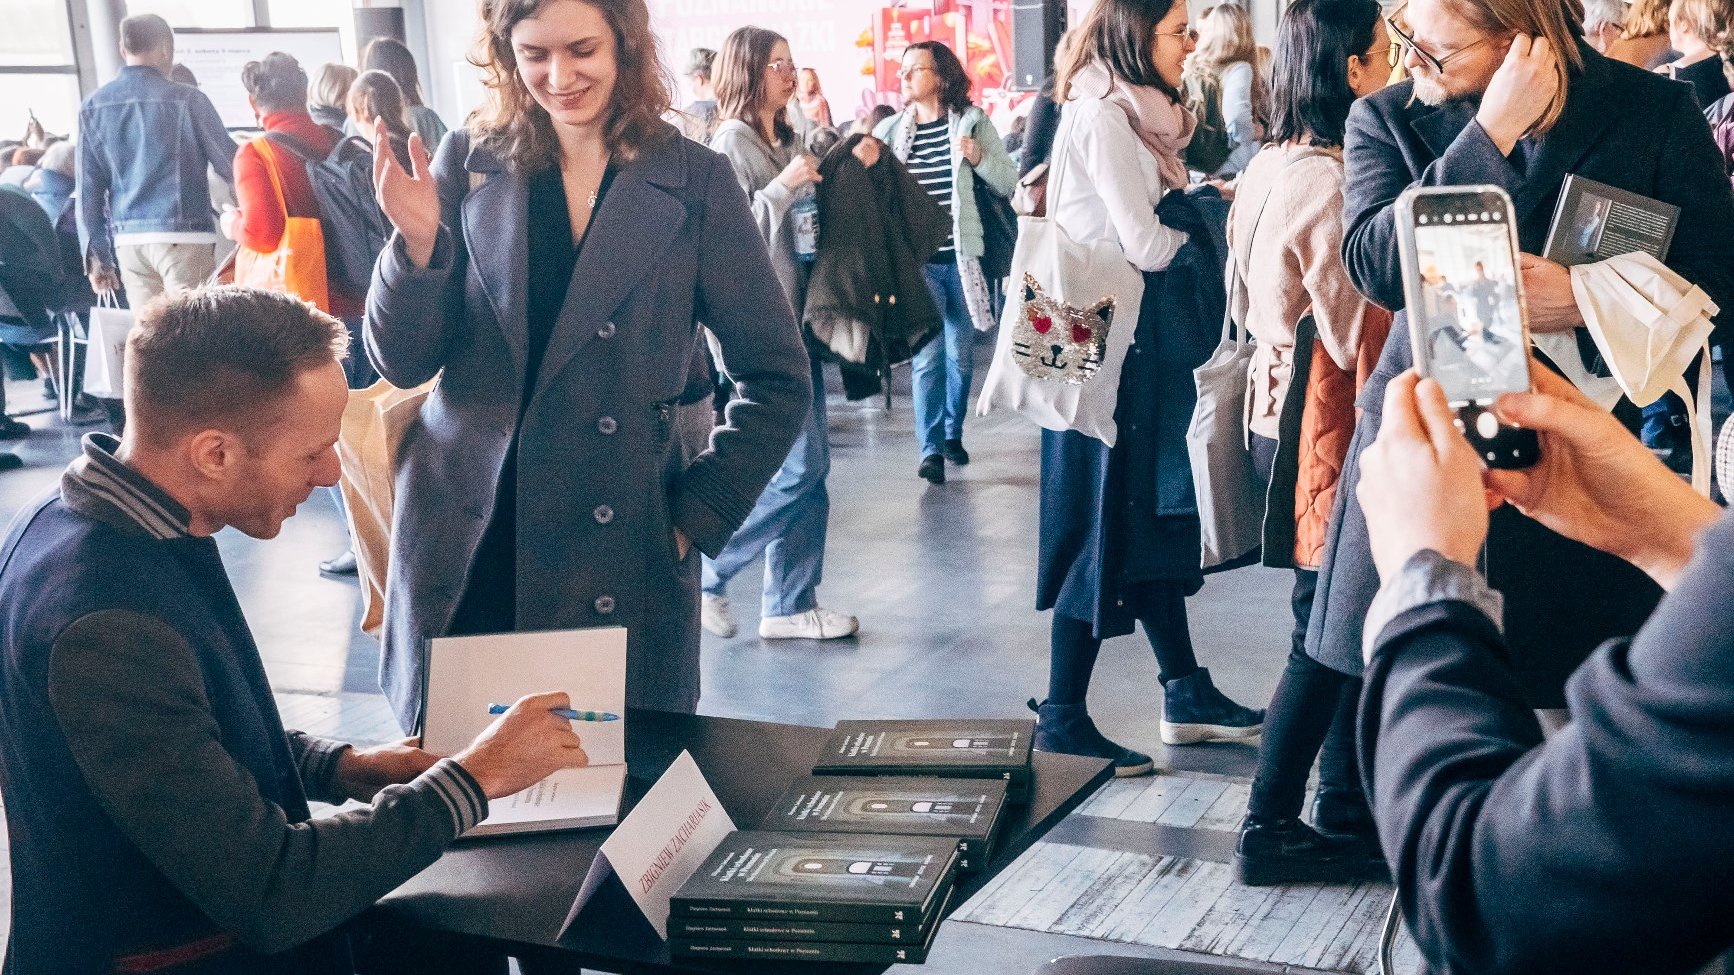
(1162, 124)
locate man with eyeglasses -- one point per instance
(1501, 92)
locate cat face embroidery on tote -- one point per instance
(1056, 341)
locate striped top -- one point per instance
(930, 163)
(98, 479)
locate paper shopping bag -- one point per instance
(374, 423)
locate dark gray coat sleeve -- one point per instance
(414, 315)
(1610, 848)
(739, 299)
(130, 699)
(1378, 174)
(1691, 176)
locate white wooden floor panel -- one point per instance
(1188, 905)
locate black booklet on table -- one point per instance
(832, 877)
(1595, 221)
(906, 806)
(883, 953)
(948, 747)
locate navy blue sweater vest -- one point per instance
(83, 895)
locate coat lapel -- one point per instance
(1588, 110)
(1439, 127)
(636, 222)
(496, 237)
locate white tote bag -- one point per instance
(105, 358)
(1069, 319)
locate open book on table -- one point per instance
(467, 674)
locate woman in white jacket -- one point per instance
(1122, 135)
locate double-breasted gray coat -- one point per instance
(600, 483)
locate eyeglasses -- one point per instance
(911, 72)
(1187, 34)
(1433, 61)
(1392, 52)
(782, 65)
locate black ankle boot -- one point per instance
(1067, 729)
(1343, 812)
(1194, 711)
(1288, 851)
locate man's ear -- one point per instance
(214, 454)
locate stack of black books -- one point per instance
(826, 897)
(969, 809)
(949, 748)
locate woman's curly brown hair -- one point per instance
(519, 131)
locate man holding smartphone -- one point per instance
(1505, 93)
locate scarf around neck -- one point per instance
(1161, 123)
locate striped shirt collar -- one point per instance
(98, 484)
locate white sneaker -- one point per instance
(817, 623)
(715, 617)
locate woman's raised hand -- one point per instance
(800, 171)
(409, 199)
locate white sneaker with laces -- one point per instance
(715, 617)
(817, 623)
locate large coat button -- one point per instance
(604, 514)
(604, 605)
(606, 426)
(606, 331)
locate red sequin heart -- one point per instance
(1081, 334)
(1042, 323)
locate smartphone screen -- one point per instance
(1465, 305)
(1467, 313)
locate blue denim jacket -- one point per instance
(143, 144)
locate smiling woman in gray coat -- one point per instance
(551, 268)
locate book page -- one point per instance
(466, 674)
(579, 796)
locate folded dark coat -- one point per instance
(866, 299)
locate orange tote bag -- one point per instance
(297, 265)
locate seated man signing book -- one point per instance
(158, 811)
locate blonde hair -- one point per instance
(1707, 20)
(332, 86)
(1647, 18)
(1536, 18)
(1224, 37)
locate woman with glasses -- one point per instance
(551, 266)
(1315, 333)
(1224, 86)
(755, 78)
(1119, 533)
(948, 144)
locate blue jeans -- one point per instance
(788, 523)
(942, 369)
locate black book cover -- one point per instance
(737, 929)
(1594, 221)
(904, 806)
(953, 748)
(859, 878)
(680, 946)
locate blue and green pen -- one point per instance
(568, 713)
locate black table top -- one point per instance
(515, 891)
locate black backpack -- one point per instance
(349, 216)
(1210, 146)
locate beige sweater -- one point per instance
(1291, 267)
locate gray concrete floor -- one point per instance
(942, 578)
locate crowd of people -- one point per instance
(1509, 718)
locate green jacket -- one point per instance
(997, 169)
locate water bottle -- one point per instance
(804, 213)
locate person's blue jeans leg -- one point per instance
(788, 523)
(943, 368)
(959, 353)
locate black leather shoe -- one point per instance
(10, 462)
(11, 429)
(955, 453)
(932, 468)
(343, 565)
(1288, 851)
(1343, 813)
